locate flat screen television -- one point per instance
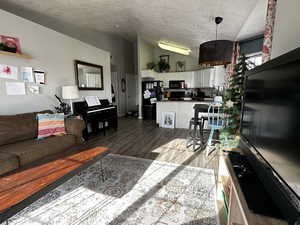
(271, 129)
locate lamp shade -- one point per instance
(218, 52)
(70, 92)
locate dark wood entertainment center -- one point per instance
(230, 191)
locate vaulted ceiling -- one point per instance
(186, 22)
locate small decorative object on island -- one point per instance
(10, 44)
(233, 103)
(180, 66)
(163, 64)
(63, 107)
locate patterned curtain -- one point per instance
(267, 45)
(234, 60)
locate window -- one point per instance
(255, 59)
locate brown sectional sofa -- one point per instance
(19, 145)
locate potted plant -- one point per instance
(180, 66)
(230, 136)
(151, 66)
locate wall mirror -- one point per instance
(89, 76)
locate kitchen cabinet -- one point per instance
(220, 75)
(166, 77)
(188, 77)
(204, 78)
(210, 77)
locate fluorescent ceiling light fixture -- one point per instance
(174, 48)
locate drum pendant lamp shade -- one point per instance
(217, 52)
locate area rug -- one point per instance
(135, 192)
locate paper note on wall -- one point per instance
(8, 72)
(15, 88)
(27, 74)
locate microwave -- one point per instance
(176, 84)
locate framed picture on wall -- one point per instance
(39, 77)
(165, 58)
(168, 120)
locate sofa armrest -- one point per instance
(75, 127)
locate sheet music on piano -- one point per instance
(92, 101)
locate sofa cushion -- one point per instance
(31, 150)
(51, 125)
(8, 163)
(19, 127)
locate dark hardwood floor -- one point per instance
(144, 139)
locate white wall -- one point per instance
(53, 52)
(146, 54)
(286, 35)
(191, 62)
(121, 50)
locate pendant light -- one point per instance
(217, 52)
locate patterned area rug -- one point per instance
(136, 192)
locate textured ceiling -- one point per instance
(186, 22)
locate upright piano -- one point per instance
(97, 118)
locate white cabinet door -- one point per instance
(207, 77)
(197, 82)
(189, 79)
(220, 74)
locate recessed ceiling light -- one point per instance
(117, 26)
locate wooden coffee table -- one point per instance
(20, 189)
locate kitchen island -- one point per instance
(184, 111)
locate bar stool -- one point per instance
(216, 122)
(196, 127)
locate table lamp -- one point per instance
(70, 93)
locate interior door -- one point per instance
(117, 80)
(114, 83)
(131, 92)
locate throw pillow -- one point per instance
(51, 125)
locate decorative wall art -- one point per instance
(27, 74)
(10, 44)
(163, 64)
(39, 77)
(168, 120)
(8, 72)
(165, 58)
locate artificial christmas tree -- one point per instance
(233, 99)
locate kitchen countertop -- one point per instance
(206, 101)
(183, 110)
